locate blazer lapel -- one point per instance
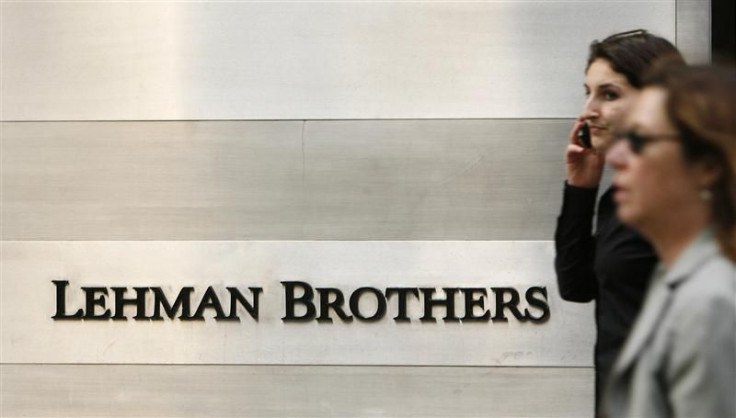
(654, 308)
(660, 295)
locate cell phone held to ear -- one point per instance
(584, 136)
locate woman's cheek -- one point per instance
(641, 191)
(617, 116)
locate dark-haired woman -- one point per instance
(612, 265)
(676, 183)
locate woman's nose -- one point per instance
(617, 156)
(590, 109)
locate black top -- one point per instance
(613, 266)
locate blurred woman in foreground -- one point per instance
(675, 182)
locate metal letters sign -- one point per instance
(288, 302)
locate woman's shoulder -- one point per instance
(711, 286)
(716, 273)
(703, 309)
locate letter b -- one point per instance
(291, 300)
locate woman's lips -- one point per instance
(596, 129)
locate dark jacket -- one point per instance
(612, 267)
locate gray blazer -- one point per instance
(680, 358)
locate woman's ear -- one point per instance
(707, 171)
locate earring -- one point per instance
(706, 195)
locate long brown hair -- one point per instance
(701, 103)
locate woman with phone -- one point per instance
(675, 180)
(611, 265)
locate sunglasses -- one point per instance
(637, 142)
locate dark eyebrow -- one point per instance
(609, 85)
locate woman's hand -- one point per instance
(584, 166)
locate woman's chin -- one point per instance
(601, 141)
(627, 215)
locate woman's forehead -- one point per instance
(600, 73)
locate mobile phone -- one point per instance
(584, 136)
